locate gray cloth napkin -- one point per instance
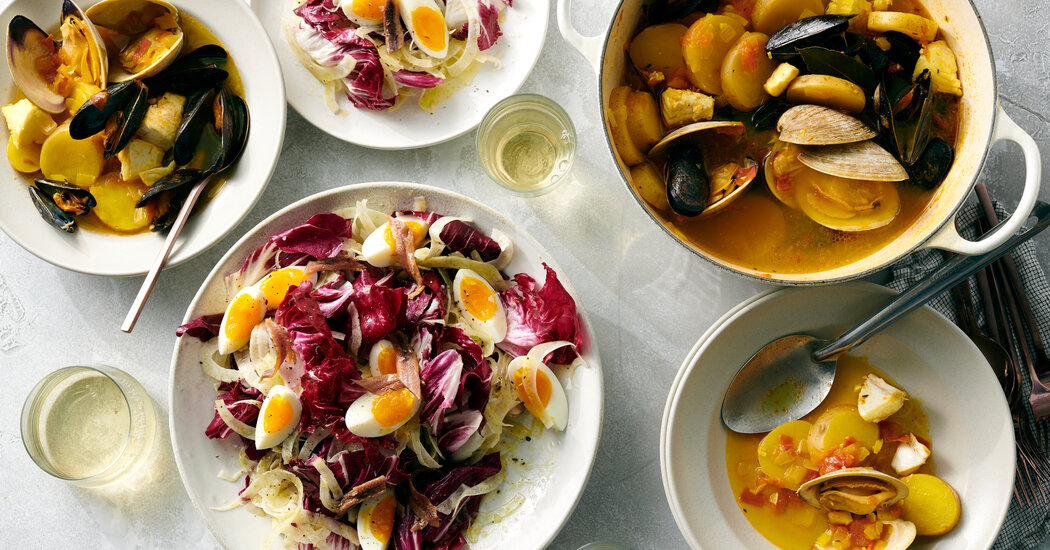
(1025, 527)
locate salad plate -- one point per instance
(407, 126)
(547, 474)
(969, 421)
(116, 255)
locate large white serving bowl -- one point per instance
(524, 27)
(931, 358)
(542, 488)
(125, 255)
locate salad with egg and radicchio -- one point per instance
(371, 368)
(378, 52)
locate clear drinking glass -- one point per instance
(90, 426)
(527, 143)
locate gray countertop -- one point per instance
(648, 299)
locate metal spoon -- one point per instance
(791, 376)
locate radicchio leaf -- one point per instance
(203, 328)
(230, 393)
(380, 308)
(463, 238)
(490, 31)
(538, 315)
(417, 79)
(459, 427)
(321, 236)
(441, 378)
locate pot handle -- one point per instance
(590, 47)
(948, 238)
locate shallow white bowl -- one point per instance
(557, 464)
(524, 27)
(935, 362)
(116, 255)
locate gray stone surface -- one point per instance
(648, 298)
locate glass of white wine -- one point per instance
(527, 143)
(90, 426)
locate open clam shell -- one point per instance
(855, 490)
(726, 126)
(863, 160)
(26, 43)
(819, 125)
(148, 34)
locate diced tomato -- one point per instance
(837, 460)
(856, 532)
(679, 79)
(749, 52)
(810, 476)
(763, 478)
(783, 182)
(140, 49)
(892, 431)
(787, 442)
(746, 174)
(704, 39)
(752, 499)
(779, 500)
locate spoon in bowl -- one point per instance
(791, 376)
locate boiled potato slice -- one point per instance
(616, 114)
(650, 185)
(643, 120)
(783, 451)
(835, 425)
(769, 16)
(24, 159)
(78, 161)
(744, 71)
(704, 46)
(923, 30)
(831, 91)
(658, 48)
(932, 504)
(116, 204)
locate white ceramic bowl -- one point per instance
(115, 255)
(558, 464)
(932, 359)
(524, 27)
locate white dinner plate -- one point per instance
(541, 494)
(524, 27)
(116, 255)
(929, 356)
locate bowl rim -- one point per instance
(593, 432)
(267, 146)
(689, 365)
(774, 278)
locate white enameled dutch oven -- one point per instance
(982, 123)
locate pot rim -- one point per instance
(772, 278)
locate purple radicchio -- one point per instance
(490, 31)
(463, 238)
(417, 79)
(441, 379)
(380, 308)
(203, 328)
(538, 315)
(230, 393)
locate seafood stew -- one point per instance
(119, 113)
(849, 111)
(858, 472)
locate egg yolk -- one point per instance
(429, 27)
(244, 315)
(387, 361)
(478, 298)
(381, 523)
(371, 10)
(543, 388)
(276, 285)
(278, 414)
(393, 407)
(417, 231)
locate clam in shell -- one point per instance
(858, 491)
(147, 33)
(722, 126)
(863, 160)
(819, 125)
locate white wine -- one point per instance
(527, 143)
(85, 428)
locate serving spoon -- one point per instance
(790, 376)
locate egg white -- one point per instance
(556, 413)
(376, 251)
(349, 9)
(493, 329)
(407, 7)
(266, 440)
(228, 344)
(368, 539)
(373, 356)
(360, 421)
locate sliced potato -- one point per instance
(643, 120)
(916, 26)
(780, 79)
(24, 159)
(78, 161)
(932, 504)
(116, 204)
(783, 452)
(744, 71)
(650, 185)
(704, 46)
(658, 48)
(829, 91)
(616, 114)
(769, 16)
(837, 424)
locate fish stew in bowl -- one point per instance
(787, 136)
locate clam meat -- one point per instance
(859, 491)
(144, 35)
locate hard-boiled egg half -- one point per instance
(540, 391)
(278, 417)
(426, 23)
(364, 12)
(383, 358)
(248, 307)
(378, 415)
(481, 306)
(380, 249)
(375, 521)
